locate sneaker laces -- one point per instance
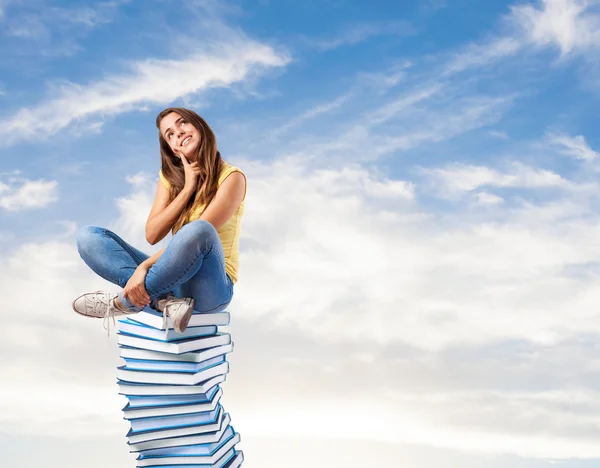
(100, 300)
(168, 301)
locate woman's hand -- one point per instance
(191, 172)
(135, 290)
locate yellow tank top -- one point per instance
(230, 231)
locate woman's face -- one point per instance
(182, 136)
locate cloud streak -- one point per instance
(576, 146)
(151, 81)
(357, 33)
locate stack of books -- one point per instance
(172, 383)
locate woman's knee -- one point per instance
(199, 227)
(199, 231)
(87, 236)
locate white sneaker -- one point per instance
(180, 310)
(99, 304)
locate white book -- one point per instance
(137, 413)
(178, 432)
(217, 459)
(175, 347)
(171, 378)
(172, 422)
(154, 319)
(218, 352)
(158, 392)
(192, 450)
(205, 438)
(131, 327)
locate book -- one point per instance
(234, 462)
(154, 319)
(194, 439)
(221, 456)
(173, 421)
(176, 432)
(171, 381)
(156, 366)
(195, 356)
(174, 347)
(130, 412)
(131, 327)
(171, 378)
(192, 450)
(132, 389)
(157, 401)
(216, 354)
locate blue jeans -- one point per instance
(192, 265)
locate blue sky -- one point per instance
(419, 252)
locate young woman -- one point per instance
(200, 198)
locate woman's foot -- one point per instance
(99, 304)
(180, 310)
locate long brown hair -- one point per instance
(209, 160)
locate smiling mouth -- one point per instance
(186, 141)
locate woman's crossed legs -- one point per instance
(192, 265)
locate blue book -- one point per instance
(170, 366)
(172, 378)
(192, 450)
(205, 438)
(234, 462)
(131, 412)
(133, 328)
(168, 433)
(221, 456)
(174, 421)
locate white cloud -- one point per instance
(30, 195)
(134, 210)
(570, 25)
(150, 81)
(574, 146)
(333, 227)
(486, 199)
(457, 177)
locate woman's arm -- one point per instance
(230, 194)
(164, 214)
